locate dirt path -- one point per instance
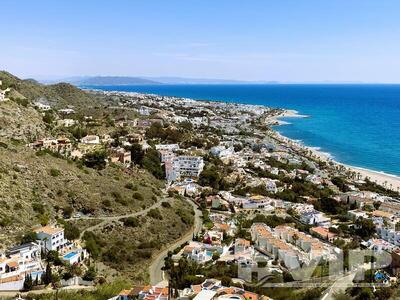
(108, 219)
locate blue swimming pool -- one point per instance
(70, 255)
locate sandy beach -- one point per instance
(387, 180)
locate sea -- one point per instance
(356, 124)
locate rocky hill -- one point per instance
(57, 95)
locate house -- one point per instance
(41, 106)
(323, 233)
(18, 262)
(357, 214)
(66, 111)
(60, 145)
(167, 147)
(120, 155)
(222, 151)
(213, 237)
(144, 111)
(378, 245)
(91, 139)
(202, 252)
(390, 235)
(242, 246)
(144, 293)
(270, 185)
(51, 238)
(66, 122)
(315, 218)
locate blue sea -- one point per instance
(357, 125)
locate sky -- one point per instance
(286, 41)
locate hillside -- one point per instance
(41, 187)
(57, 95)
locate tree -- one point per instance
(28, 283)
(365, 228)
(53, 257)
(151, 162)
(90, 274)
(29, 237)
(48, 118)
(47, 276)
(71, 231)
(95, 160)
(137, 153)
(210, 177)
(215, 256)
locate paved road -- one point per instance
(343, 283)
(339, 285)
(108, 219)
(156, 274)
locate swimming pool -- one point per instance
(70, 255)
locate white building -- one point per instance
(270, 185)
(51, 238)
(222, 151)
(315, 218)
(18, 262)
(41, 106)
(90, 139)
(390, 235)
(167, 147)
(183, 166)
(66, 122)
(66, 111)
(144, 111)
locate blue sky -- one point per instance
(290, 41)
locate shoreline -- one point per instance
(389, 181)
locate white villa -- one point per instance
(18, 262)
(51, 238)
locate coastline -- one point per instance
(389, 181)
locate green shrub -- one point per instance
(131, 222)
(55, 172)
(71, 231)
(5, 221)
(155, 214)
(166, 205)
(129, 186)
(38, 207)
(138, 196)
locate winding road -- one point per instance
(156, 274)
